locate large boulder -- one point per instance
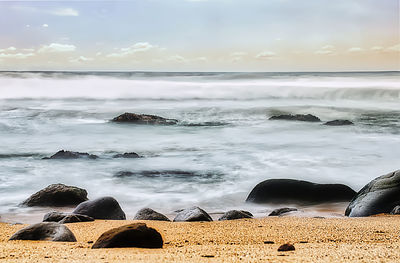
(133, 235)
(338, 123)
(289, 191)
(71, 155)
(192, 214)
(143, 119)
(150, 214)
(57, 195)
(296, 117)
(49, 231)
(235, 214)
(64, 218)
(101, 208)
(381, 195)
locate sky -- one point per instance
(200, 35)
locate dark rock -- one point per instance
(101, 208)
(54, 216)
(380, 195)
(150, 214)
(133, 235)
(286, 247)
(338, 123)
(71, 155)
(288, 191)
(57, 195)
(269, 242)
(143, 119)
(281, 211)
(49, 231)
(75, 218)
(123, 174)
(395, 210)
(297, 117)
(192, 214)
(127, 155)
(235, 214)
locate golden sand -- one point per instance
(371, 239)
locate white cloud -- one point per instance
(265, 55)
(377, 48)
(136, 48)
(326, 50)
(17, 55)
(8, 49)
(355, 49)
(177, 58)
(56, 47)
(395, 48)
(64, 12)
(45, 25)
(80, 59)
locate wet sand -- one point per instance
(372, 239)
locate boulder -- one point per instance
(338, 123)
(57, 195)
(381, 195)
(235, 214)
(192, 214)
(101, 208)
(54, 216)
(286, 247)
(150, 214)
(49, 231)
(133, 235)
(289, 191)
(127, 155)
(395, 210)
(64, 218)
(281, 211)
(71, 155)
(296, 117)
(143, 119)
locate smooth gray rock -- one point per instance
(49, 231)
(71, 155)
(381, 195)
(143, 119)
(338, 123)
(64, 218)
(289, 191)
(57, 195)
(150, 214)
(101, 208)
(281, 211)
(235, 214)
(192, 214)
(296, 117)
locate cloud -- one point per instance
(56, 47)
(355, 50)
(377, 48)
(265, 55)
(177, 58)
(17, 55)
(136, 48)
(45, 25)
(326, 50)
(64, 12)
(8, 49)
(80, 59)
(395, 48)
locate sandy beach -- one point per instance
(370, 239)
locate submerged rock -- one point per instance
(143, 119)
(296, 117)
(133, 235)
(235, 214)
(57, 195)
(338, 123)
(381, 195)
(192, 214)
(150, 214)
(127, 155)
(49, 231)
(71, 155)
(281, 211)
(101, 208)
(287, 191)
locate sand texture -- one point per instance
(371, 239)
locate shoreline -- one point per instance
(365, 239)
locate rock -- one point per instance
(338, 123)
(286, 247)
(64, 218)
(395, 210)
(133, 235)
(123, 174)
(57, 195)
(71, 155)
(297, 117)
(192, 214)
(150, 214)
(288, 191)
(281, 211)
(380, 195)
(49, 231)
(235, 214)
(143, 119)
(127, 155)
(101, 208)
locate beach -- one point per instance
(369, 239)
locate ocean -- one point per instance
(221, 148)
